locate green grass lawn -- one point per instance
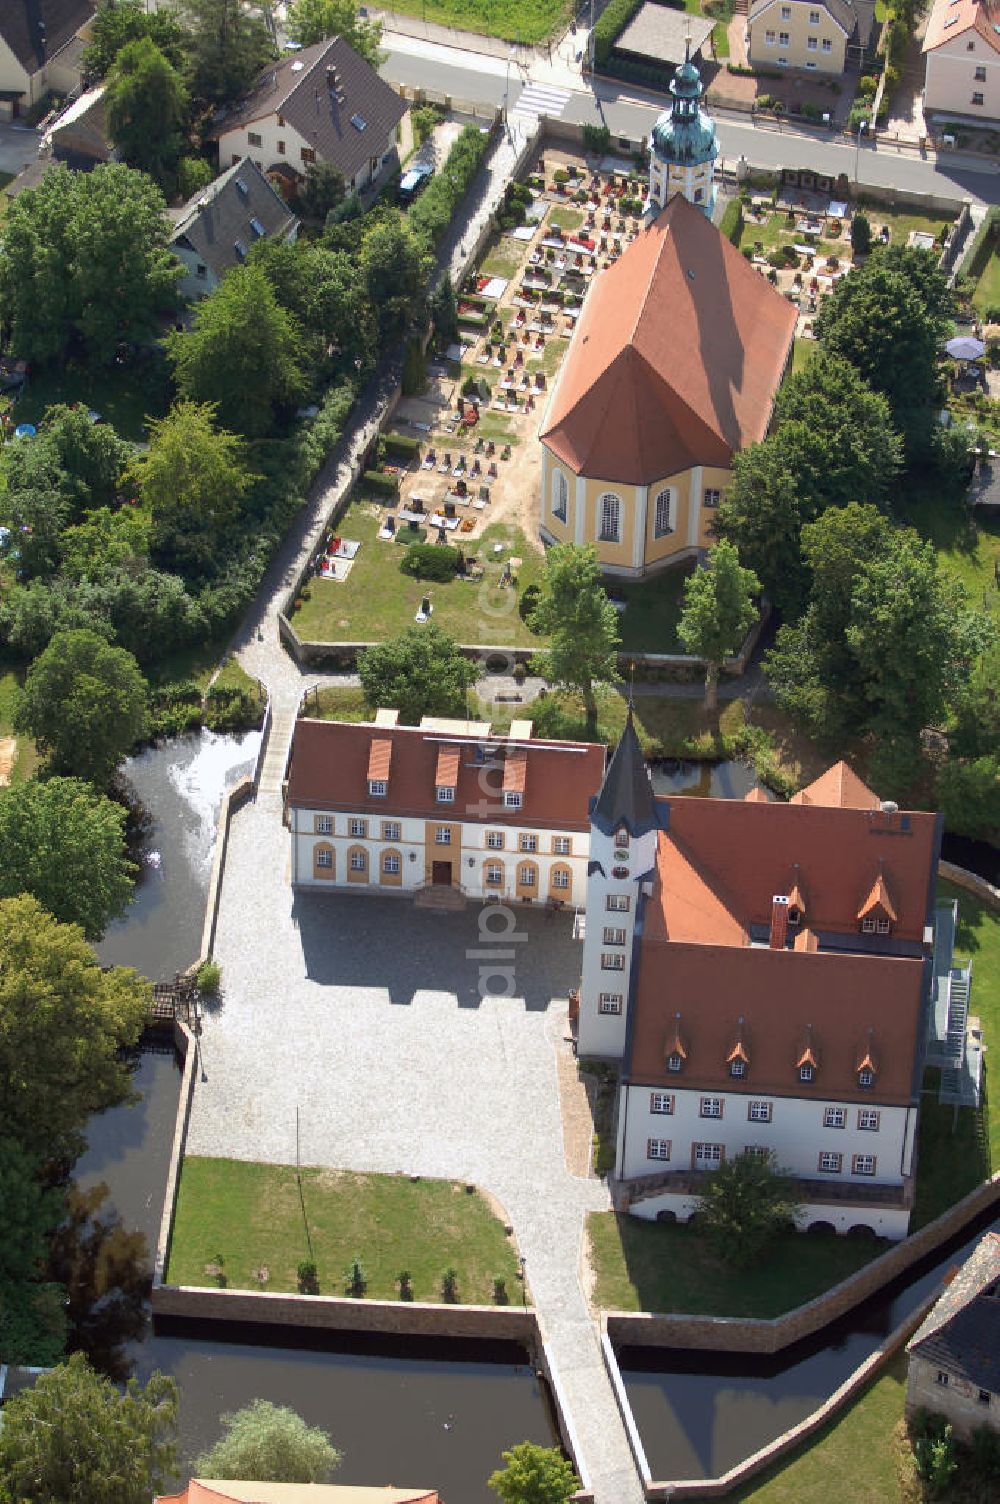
(510, 19)
(501, 260)
(567, 219)
(987, 293)
(855, 1457)
(124, 396)
(968, 550)
(802, 353)
(978, 939)
(649, 621)
(659, 1266)
(254, 1216)
(776, 232)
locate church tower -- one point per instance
(623, 826)
(682, 146)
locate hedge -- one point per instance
(732, 221)
(377, 480)
(431, 561)
(435, 209)
(610, 27)
(401, 443)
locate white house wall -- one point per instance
(280, 143)
(601, 1033)
(951, 82)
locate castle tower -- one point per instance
(682, 146)
(623, 826)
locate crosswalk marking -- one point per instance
(541, 99)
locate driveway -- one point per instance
(18, 147)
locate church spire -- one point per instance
(626, 796)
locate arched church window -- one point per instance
(663, 514)
(560, 495)
(609, 513)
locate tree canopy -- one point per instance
(74, 1435)
(63, 1022)
(312, 21)
(85, 257)
(84, 702)
(242, 352)
(421, 672)
(227, 44)
(32, 1319)
(269, 1443)
(582, 625)
(743, 1205)
(128, 21)
(145, 104)
(718, 612)
(534, 1475)
(65, 845)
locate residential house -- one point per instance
(448, 804)
(322, 104)
(41, 42)
(673, 369)
(962, 61)
(217, 226)
(954, 1366)
(764, 973)
(818, 36)
(230, 1491)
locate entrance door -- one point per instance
(441, 873)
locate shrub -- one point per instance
(414, 369)
(500, 1296)
(308, 1278)
(449, 1286)
(596, 139)
(431, 561)
(402, 444)
(434, 210)
(424, 120)
(405, 1283)
(193, 174)
(356, 1280)
(208, 978)
(936, 1458)
(377, 480)
(609, 28)
(732, 221)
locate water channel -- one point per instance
(424, 1416)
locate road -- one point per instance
(472, 76)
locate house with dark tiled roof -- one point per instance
(772, 977)
(321, 104)
(673, 368)
(216, 228)
(41, 43)
(954, 1367)
(815, 36)
(448, 806)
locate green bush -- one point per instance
(596, 139)
(233, 708)
(402, 444)
(414, 369)
(424, 120)
(431, 561)
(610, 27)
(434, 210)
(732, 221)
(377, 480)
(208, 978)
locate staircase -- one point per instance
(441, 898)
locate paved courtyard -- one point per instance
(368, 1016)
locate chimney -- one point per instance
(779, 921)
(332, 81)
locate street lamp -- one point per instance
(862, 128)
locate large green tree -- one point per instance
(32, 1320)
(145, 104)
(534, 1475)
(718, 612)
(75, 1436)
(82, 460)
(421, 672)
(85, 257)
(63, 1023)
(743, 1205)
(312, 21)
(395, 265)
(85, 704)
(192, 479)
(269, 1444)
(65, 845)
(128, 21)
(325, 292)
(574, 612)
(227, 43)
(242, 352)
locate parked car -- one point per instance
(413, 180)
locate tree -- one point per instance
(325, 293)
(534, 1475)
(227, 45)
(322, 190)
(268, 1443)
(63, 1022)
(192, 479)
(421, 672)
(128, 21)
(312, 21)
(145, 104)
(65, 845)
(85, 256)
(581, 623)
(106, 543)
(395, 266)
(32, 1323)
(83, 460)
(718, 612)
(444, 309)
(84, 702)
(861, 234)
(744, 1204)
(74, 1435)
(243, 352)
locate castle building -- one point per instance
(768, 976)
(682, 145)
(673, 368)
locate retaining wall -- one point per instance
(745, 1335)
(187, 1046)
(971, 882)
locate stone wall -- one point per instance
(971, 882)
(957, 1401)
(187, 1046)
(737, 1334)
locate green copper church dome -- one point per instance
(684, 135)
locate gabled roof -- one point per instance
(221, 222)
(345, 125)
(841, 12)
(626, 796)
(962, 1332)
(951, 19)
(676, 358)
(878, 898)
(839, 787)
(35, 30)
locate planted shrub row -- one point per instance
(377, 480)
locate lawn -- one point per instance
(567, 219)
(510, 19)
(967, 549)
(26, 759)
(125, 396)
(776, 232)
(660, 1266)
(501, 260)
(649, 622)
(256, 1215)
(978, 939)
(987, 293)
(854, 1458)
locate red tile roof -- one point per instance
(330, 760)
(878, 898)
(676, 359)
(838, 787)
(951, 19)
(379, 759)
(446, 776)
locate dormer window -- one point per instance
(805, 1072)
(445, 794)
(621, 837)
(511, 799)
(377, 788)
(883, 926)
(674, 1061)
(868, 926)
(738, 1059)
(738, 1069)
(794, 915)
(866, 1078)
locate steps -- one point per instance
(441, 898)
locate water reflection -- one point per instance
(720, 780)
